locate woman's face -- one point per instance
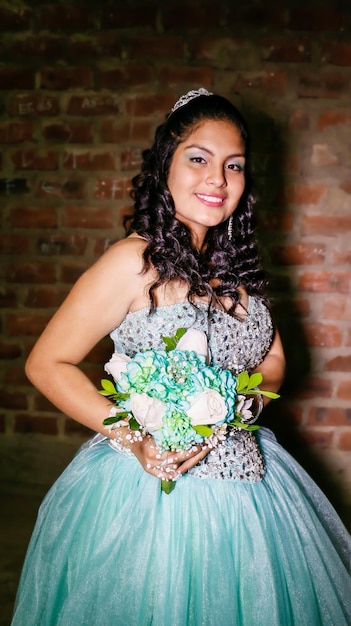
(206, 178)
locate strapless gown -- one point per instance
(245, 539)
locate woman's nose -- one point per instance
(216, 176)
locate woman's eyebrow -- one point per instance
(198, 146)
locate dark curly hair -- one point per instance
(223, 265)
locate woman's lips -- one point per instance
(210, 200)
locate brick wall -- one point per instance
(82, 88)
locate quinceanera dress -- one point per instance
(245, 539)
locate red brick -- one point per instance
(8, 299)
(145, 105)
(271, 83)
(75, 131)
(221, 50)
(15, 376)
(129, 16)
(83, 48)
(337, 53)
(324, 282)
(156, 47)
(70, 272)
(316, 388)
(123, 212)
(9, 350)
(68, 188)
(282, 222)
(346, 186)
(319, 438)
(333, 118)
(339, 364)
(341, 257)
(284, 50)
(58, 78)
(345, 440)
(304, 193)
(338, 308)
(40, 403)
(25, 324)
(110, 188)
(30, 272)
(126, 130)
(93, 104)
(31, 159)
(329, 416)
(16, 132)
(13, 400)
(183, 15)
(317, 18)
(17, 78)
(38, 47)
(15, 19)
(75, 429)
(63, 244)
(71, 17)
(323, 335)
(131, 158)
(34, 104)
(88, 217)
(32, 424)
(326, 85)
(344, 390)
(44, 297)
(13, 244)
(299, 120)
(299, 254)
(102, 244)
(186, 75)
(33, 217)
(79, 160)
(125, 76)
(325, 224)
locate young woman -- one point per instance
(246, 538)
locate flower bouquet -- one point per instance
(177, 397)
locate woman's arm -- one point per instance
(272, 367)
(98, 303)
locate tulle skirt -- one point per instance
(110, 549)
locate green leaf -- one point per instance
(167, 486)
(242, 381)
(203, 430)
(255, 380)
(134, 424)
(115, 418)
(107, 386)
(171, 342)
(269, 394)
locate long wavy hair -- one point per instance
(223, 264)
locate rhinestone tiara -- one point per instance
(194, 93)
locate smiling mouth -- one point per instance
(210, 200)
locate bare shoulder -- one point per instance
(126, 255)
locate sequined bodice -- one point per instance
(236, 344)
(240, 345)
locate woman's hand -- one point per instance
(169, 465)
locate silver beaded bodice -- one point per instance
(235, 344)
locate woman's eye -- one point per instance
(197, 159)
(238, 167)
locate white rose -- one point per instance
(147, 411)
(117, 364)
(194, 340)
(207, 407)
